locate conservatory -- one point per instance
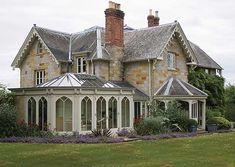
(78, 102)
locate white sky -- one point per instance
(208, 23)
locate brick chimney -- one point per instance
(114, 20)
(153, 20)
(114, 40)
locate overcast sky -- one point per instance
(208, 23)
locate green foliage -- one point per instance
(221, 122)
(102, 132)
(7, 120)
(213, 112)
(152, 125)
(7, 97)
(213, 85)
(192, 122)
(230, 103)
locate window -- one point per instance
(125, 112)
(137, 110)
(171, 61)
(112, 113)
(31, 111)
(101, 113)
(86, 117)
(81, 65)
(39, 48)
(207, 71)
(39, 76)
(43, 114)
(64, 114)
(194, 110)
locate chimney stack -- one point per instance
(153, 20)
(114, 20)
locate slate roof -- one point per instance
(139, 44)
(203, 59)
(147, 43)
(78, 80)
(139, 95)
(175, 87)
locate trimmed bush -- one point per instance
(152, 126)
(192, 122)
(221, 122)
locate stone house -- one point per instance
(105, 77)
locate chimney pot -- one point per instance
(150, 12)
(156, 13)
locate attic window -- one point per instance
(81, 65)
(39, 48)
(171, 61)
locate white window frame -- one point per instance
(39, 76)
(81, 64)
(171, 63)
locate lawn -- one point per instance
(210, 150)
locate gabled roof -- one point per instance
(203, 59)
(150, 43)
(175, 87)
(78, 80)
(140, 44)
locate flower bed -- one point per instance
(63, 139)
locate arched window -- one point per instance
(86, 114)
(64, 114)
(43, 114)
(101, 113)
(31, 111)
(125, 112)
(112, 113)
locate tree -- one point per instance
(230, 102)
(213, 85)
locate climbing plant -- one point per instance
(213, 85)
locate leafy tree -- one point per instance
(230, 102)
(213, 85)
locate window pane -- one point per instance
(31, 111)
(68, 115)
(59, 115)
(43, 114)
(125, 113)
(112, 113)
(101, 113)
(86, 114)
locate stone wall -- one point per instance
(101, 69)
(137, 74)
(33, 62)
(161, 71)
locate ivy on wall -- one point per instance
(213, 85)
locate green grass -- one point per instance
(212, 150)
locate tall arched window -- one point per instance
(101, 113)
(64, 114)
(125, 112)
(86, 114)
(31, 111)
(112, 113)
(43, 114)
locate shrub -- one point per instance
(221, 122)
(7, 120)
(213, 112)
(102, 132)
(192, 122)
(230, 114)
(151, 126)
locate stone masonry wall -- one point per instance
(161, 72)
(20, 107)
(137, 74)
(101, 69)
(34, 62)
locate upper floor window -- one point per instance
(81, 65)
(171, 61)
(39, 48)
(39, 76)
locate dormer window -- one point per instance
(39, 48)
(81, 65)
(171, 61)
